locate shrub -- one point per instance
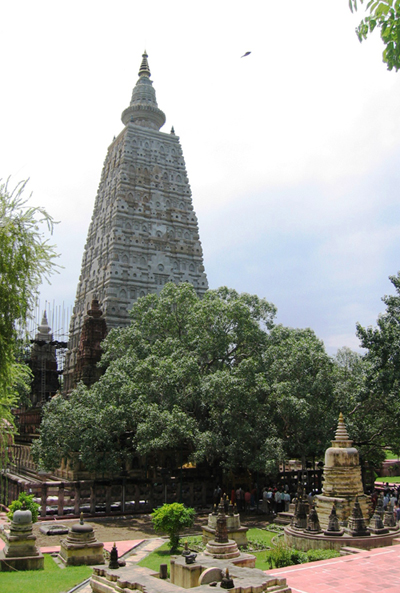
(281, 555)
(24, 501)
(313, 555)
(171, 519)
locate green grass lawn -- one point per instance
(52, 579)
(390, 455)
(390, 479)
(159, 556)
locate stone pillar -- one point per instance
(60, 509)
(77, 499)
(123, 494)
(204, 494)
(191, 494)
(137, 497)
(108, 498)
(93, 498)
(43, 500)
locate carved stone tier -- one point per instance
(227, 549)
(304, 540)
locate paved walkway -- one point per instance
(372, 571)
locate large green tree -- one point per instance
(206, 379)
(299, 379)
(26, 260)
(183, 376)
(378, 405)
(384, 15)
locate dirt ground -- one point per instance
(109, 529)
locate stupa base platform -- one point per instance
(10, 563)
(222, 550)
(301, 540)
(185, 576)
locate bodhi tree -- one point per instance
(184, 377)
(205, 380)
(384, 15)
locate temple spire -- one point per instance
(143, 109)
(144, 69)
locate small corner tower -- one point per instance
(144, 231)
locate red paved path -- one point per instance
(376, 571)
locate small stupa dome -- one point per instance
(22, 517)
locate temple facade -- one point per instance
(144, 231)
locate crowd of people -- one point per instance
(270, 500)
(391, 496)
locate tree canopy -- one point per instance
(212, 378)
(384, 15)
(26, 260)
(378, 402)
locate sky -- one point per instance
(292, 152)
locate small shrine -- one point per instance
(221, 546)
(234, 529)
(81, 546)
(20, 551)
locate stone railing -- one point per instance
(100, 497)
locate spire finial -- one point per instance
(143, 109)
(144, 69)
(341, 435)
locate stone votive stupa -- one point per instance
(356, 525)
(333, 525)
(234, 528)
(342, 480)
(221, 546)
(81, 546)
(20, 551)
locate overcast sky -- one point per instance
(292, 153)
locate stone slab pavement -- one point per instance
(376, 571)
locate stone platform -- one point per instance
(301, 540)
(366, 572)
(249, 580)
(11, 563)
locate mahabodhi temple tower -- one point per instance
(144, 231)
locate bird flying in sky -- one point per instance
(246, 54)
